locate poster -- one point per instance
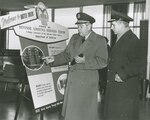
(40, 38)
(37, 41)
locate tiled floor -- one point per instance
(8, 107)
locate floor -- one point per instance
(8, 103)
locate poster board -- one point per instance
(40, 38)
(37, 41)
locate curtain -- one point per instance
(138, 11)
(106, 26)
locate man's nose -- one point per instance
(111, 27)
(79, 27)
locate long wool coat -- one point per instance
(80, 99)
(121, 100)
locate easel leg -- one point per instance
(144, 89)
(19, 99)
(41, 116)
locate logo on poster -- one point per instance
(42, 13)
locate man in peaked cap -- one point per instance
(84, 18)
(119, 23)
(85, 58)
(119, 16)
(125, 64)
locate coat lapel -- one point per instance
(87, 44)
(77, 45)
(120, 41)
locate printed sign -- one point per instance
(17, 18)
(36, 31)
(43, 91)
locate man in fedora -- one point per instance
(86, 53)
(125, 64)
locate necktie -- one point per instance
(83, 39)
(73, 62)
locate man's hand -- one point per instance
(80, 59)
(48, 59)
(117, 78)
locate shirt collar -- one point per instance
(120, 35)
(87, 35)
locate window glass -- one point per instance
(14, 42)
(66, 16)
(98, 31)
(130, 12)
(96, 12)
(136, 31)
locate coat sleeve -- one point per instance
(99, 59)
(65, 56)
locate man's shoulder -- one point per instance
(132, 37)
(74, 38)
(131, 34)
(76, 35)
(98, 36)
(101, 38)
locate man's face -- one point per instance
(84, 29)
(116, 26)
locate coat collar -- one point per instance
(89, 42)
(120, 35)
(124, 37)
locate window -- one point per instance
(66, 16)
(13, 40)
(97, 13)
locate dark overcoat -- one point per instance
(121, 100)
(80, 99)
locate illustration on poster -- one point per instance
(32, 57)
(61, 83)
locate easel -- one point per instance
(20, 95)
(41, 116)
(145, 84)
(20, 99)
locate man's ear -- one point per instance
(89, 26)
